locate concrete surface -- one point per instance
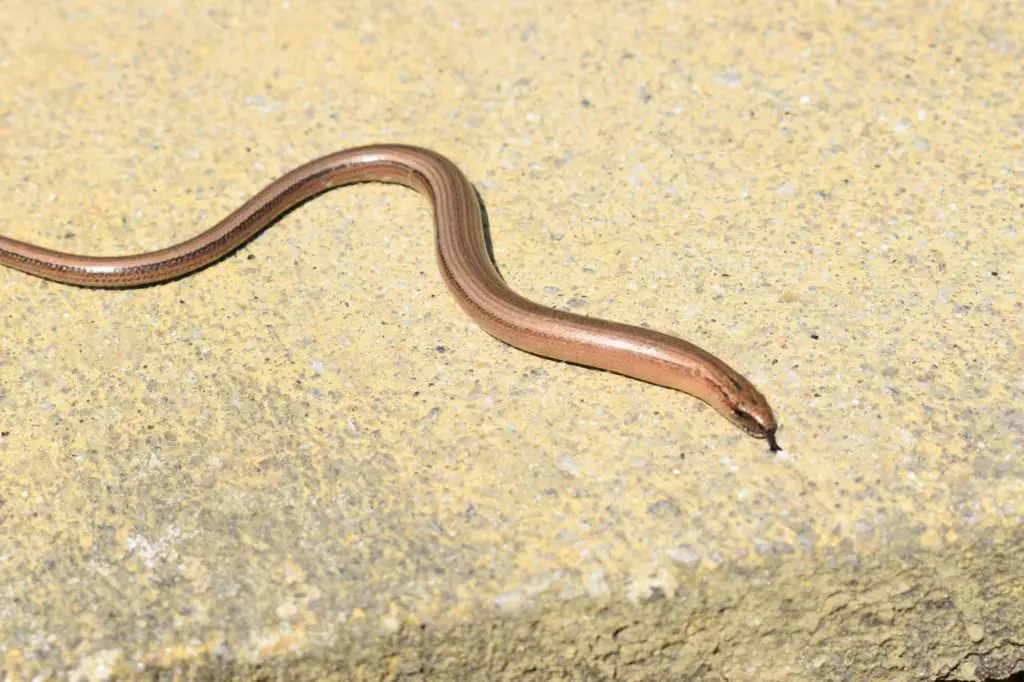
(306, 463)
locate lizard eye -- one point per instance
(745, 420)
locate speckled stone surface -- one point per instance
(307, 463)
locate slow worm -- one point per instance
(465, 265)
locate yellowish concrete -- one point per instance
(307, 463)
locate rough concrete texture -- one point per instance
(307, 463)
